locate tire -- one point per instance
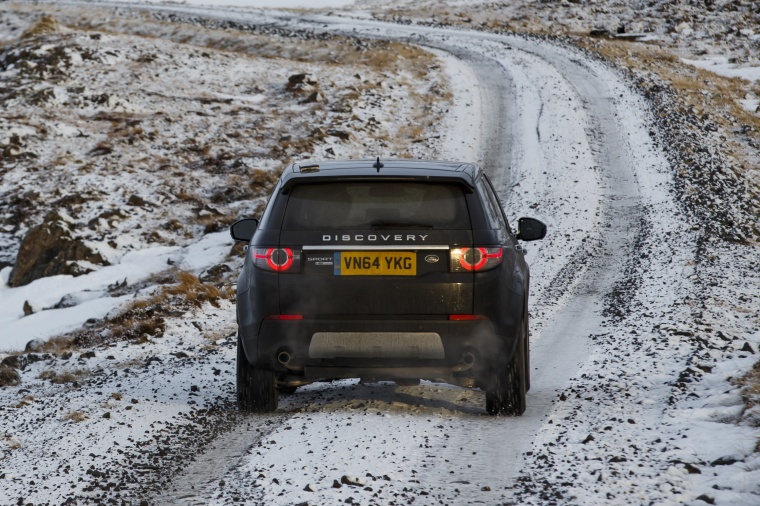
(505, 392)
(526, 340)
(283, 390)
(256, 388)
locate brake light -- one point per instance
(284, 317)
(273, 259)
(467, 317)
(476, 259)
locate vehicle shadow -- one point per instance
(384, 398)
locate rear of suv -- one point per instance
(396, 270)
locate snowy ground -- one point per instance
(642, 319)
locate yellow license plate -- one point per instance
(375, 263)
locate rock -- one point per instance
(340, 134)
(724, 461)
(298, 78)
(30, 308)
(300, 82)
(49, 249)
(314, 97)
(748, 348)
(34, 345)
(318, 133)
(353, 481)
(67, 300)
(107, 415)
(207, 210)
(336, 484)
(310, 488)
(599, 32)
(706, 498)
(87, 354)
(692, 468)
(215, 273)
(137, 201)
(684, 29)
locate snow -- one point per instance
(256, 4)
(721, 66)
(624, 417)
(132, 268)
(46, 292)
(462, 122)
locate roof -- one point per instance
(392, 169)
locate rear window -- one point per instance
(376, 205)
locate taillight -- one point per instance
(477, 259)
(275, 259)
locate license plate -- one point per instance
(375, 263)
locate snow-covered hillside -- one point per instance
(133, 151)
(130, 139)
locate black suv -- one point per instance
(396, 270)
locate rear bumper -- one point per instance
(462, 349)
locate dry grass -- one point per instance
(12, 442)
(64, 377)
(75, 416)
(25, 401)
(750, 384)
(750, 393)
(191, 288)
(707, 94)
(412, 132)
(45, 25)
(375, 63)
(8, 376)
(344, 51)
(145, 318)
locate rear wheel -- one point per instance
(526, 356)
(505, 392)
(256, 388)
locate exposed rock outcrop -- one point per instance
(51, 248)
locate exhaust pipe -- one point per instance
(465, 363)
(284, 357)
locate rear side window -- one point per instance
(376, 205)
(491, 204)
